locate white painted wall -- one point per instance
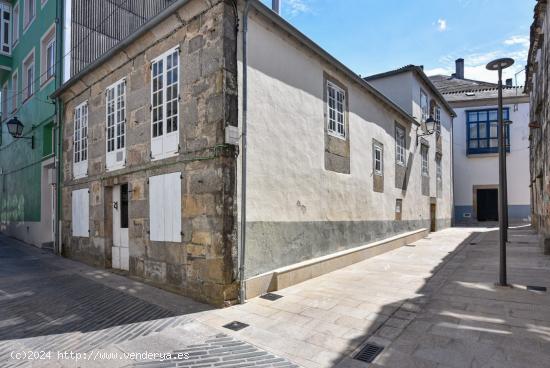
(483, 169)
(286, 176)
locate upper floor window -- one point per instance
(15, 28)
(378, 160)
(4, 102)
(29, 12)
(425, 166)
(437, 118)
(47, 56)
(482, 130)
(80, 143)
(164, 105)
(336, 98)
(424, 105)
(5, 29)
(400, 144)
(28, 76)
(116, 125)
(14, 90)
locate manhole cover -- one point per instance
(271, 296)
(235, 326)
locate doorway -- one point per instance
(487, 204)
(433, 212)
(121, 254)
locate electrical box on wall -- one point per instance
(467, 215)
(232, 135)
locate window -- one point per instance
(437, 118)
(336, 98)
(164, 105)
(81, 213)
(378, 157)
(14, 90)
(28, 76)
(29, 12)
(165, 207)
(400, 145)
(116, 125)
(424, 105)
(5, 29)
(438, 175)
(80, 162)
(425, 168)
(47, 56)
(483, 129)
(15, 28)
(398, 209)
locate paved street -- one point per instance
(430, 304)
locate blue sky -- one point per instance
(373, 36)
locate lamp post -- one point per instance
(499, 65)
(15, 128)
(430, 128)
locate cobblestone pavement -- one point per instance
(56, 312)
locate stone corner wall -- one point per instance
(202, 265)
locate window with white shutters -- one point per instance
(116, 125)
(165, 207)
(80, 141)
(164, 105)
(81, 213)
(336, 98)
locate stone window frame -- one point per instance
(400, 149)
(425, 161)
(47, 40)
(377, 147)
(332, 84)
(14, 89)
(28, 20)
(116, 96)
(5, 98)
(424, 107)
(15, 24)
(29, 63)
(439, 173)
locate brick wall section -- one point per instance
(202, 265)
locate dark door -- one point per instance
(432, 217)
(487, 204)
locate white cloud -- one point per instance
(296, 7)
(517, 40)
(441, 25)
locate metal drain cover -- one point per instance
(536, 288)
(271, 296)
(236, 326)
(369, 353)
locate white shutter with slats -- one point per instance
(81, 213)
(165, 207)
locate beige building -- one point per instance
(154, 146)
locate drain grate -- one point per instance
(536, 288)
(235, 326)
(369, 353)
(271, 296)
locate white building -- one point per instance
(475, 147)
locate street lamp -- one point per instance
(499, 65)
(430, 128)
(15, 128)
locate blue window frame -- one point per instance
(482, 130)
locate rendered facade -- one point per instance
(152, 148)
(475, 147)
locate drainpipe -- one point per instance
(242, 243)
(58, 126)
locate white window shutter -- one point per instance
(172, 207)
(156, 203)
(81, 213)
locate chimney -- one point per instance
(459, 73)
(509, 82)
(276, 6)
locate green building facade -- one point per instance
(29, 73)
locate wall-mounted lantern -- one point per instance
(430, 128)
(15, 128)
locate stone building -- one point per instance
(536, 85)
(153, 152)
(475, 147)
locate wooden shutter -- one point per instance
(165, 207)
(81, 213)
